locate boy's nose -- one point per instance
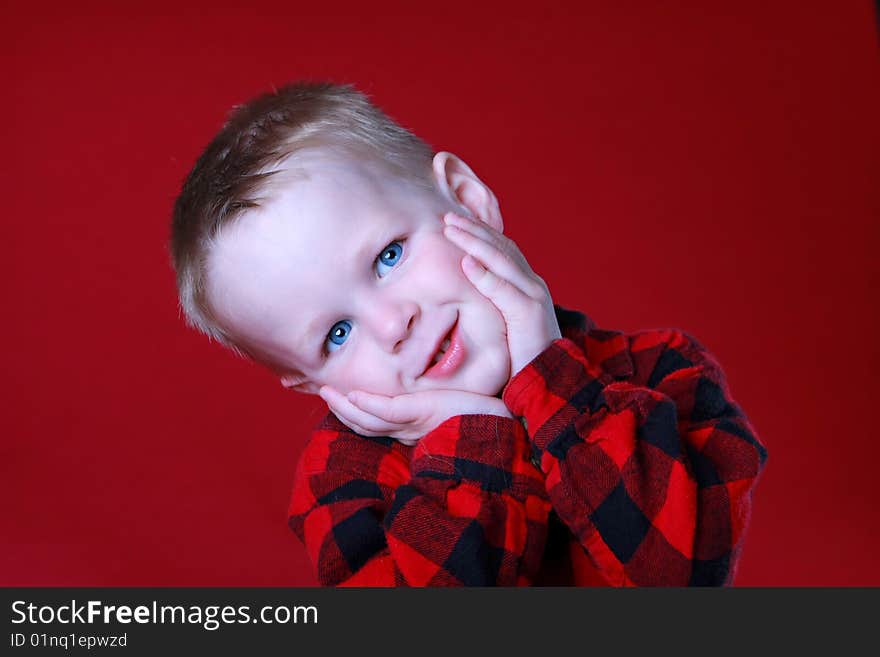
(393, 324)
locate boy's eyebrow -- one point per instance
(308, 336)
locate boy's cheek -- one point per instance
(441, 265)
(365, 371)
(439, 251)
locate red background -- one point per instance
(708, 166)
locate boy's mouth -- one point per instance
(447, 356)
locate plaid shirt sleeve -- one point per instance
(647, 459)
(465, 506)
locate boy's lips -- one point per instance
(450, 361)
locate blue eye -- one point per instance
(389, 257)
(338, 334)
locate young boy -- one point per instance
(479, 434)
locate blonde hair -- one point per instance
(233, 173)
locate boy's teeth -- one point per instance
(442, 351)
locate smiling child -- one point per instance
(478, 433)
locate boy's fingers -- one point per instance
(348, 412)
(502, 293)
(488, 234)
(480, 228)
(398, 410)
(501, 264)
(524, 277)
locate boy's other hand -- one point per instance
(498, 269)
(406, 417)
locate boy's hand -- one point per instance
(406, 417)
(499, 270)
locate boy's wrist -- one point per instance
(488, 439)
(554, 377)
(517, 387)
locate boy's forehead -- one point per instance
(318, 181)
(335, 173)
(316, 199)
(340, 200)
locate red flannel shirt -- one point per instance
(629, 464)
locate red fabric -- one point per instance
(646, 460)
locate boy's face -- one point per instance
(345, 275)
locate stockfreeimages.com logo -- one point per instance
(210, 617)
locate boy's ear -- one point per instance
(460, 185)
(299, 383)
